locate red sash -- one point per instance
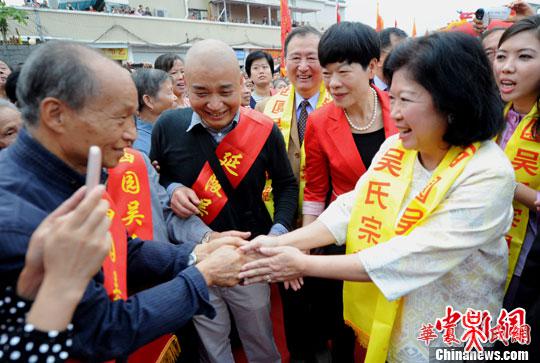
(115, 264)
(128, 192)
(236, 153)
(129, 187)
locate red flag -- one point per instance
(413, 34)
(286, 27)
(338, 17)
(380, 23)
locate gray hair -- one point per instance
(148, 82)
(60, 70)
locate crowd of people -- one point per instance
(386, 182)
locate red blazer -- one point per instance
(331, 154)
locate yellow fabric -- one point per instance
(280, 109)
(171, 352)
(523, 152)
(374, 219)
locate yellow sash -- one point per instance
(523, 151)
(280, 109)
(374, 220)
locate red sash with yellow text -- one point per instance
(236, 154)
(115, 264)
(129, 187)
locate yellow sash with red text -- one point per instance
(375, 219)
(280, 109)
(236, 153)
(523, 151)
(129, 188)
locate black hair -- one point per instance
(301, 31)
(349, 42)
(385, 36)
(166, 61)
(11, 85)
(259, 54)
(532, 23)
(456, 72)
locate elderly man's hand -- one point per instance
(184, 202)
(222, 267)
(232, 233)
(202, 251)
(283, 263)
(69, 245)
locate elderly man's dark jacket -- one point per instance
(33, 182)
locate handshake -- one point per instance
(231, 260)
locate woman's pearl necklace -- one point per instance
(373, 115)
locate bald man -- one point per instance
(224, 152)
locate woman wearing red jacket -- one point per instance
(341, 139)
(343, 136)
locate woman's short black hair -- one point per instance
(456, 72)
(532, 23)
(258, 54)
(166, 61)
(349, 42)
(11, 85)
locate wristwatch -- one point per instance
(192, 259)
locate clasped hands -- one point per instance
(231, 260)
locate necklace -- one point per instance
(373, 115)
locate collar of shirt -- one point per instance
(513, 119)
(312, 103)
(28, 151)
(217, 135)
(380, 84)
(143, 125)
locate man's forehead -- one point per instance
(213, 84)
(309, 39)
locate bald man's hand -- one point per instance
(184, 202)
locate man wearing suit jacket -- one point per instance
(289, 110)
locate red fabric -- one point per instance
(338, 17)
(379, 20)
(331, 153)
(468, 29)
(245, 143)
(286, 27)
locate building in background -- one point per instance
(123, 33)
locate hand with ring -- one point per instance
(283, 263)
